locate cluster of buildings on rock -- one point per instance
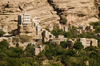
(85, 42)
(82, 29)
(29, 26)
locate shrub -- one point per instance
(3, 55)
(81, 35)
(74, 28)
(63, 21)
(95, 24)
(63, 44)
(98, 41)
(67, 34)
(24, 38)
(4, 43)
(13, 62)
(97, 29)
(30, 50)
(94, 55)
(42, 56)
(91, 48)
(6, 16)
(2, 33)
(78, 45)
(71, 52)
(57, 32)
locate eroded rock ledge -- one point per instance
(77, 12)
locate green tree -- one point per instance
(95, 24)
(2, 54)
(15, 52)
(2, 33)
(13, 62)
(24, 38)
(30, 50)
(63, 44)
(70, 52)
(3, 63)
(42, 56)
(4, 43)
(57, 32)
(48, 54)
(91, 48)
(63, 21)
(67, 34)
(78, 45)
(98, 41)
(97, 29)
(94, 55)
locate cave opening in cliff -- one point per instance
(99, 11)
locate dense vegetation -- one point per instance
(96, 26)
(17, 57)
(54, 54)
(78, 45)
(72, 33)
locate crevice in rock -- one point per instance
(96, 3)
(7, 6)
(81, 15)
(20, 8)
(99, 12)
(59, 11)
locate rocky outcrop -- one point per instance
(77, 12)
(40, 9)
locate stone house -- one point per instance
(24, 24)
(58, 39)
(54, 41)
(63, 27)
(89, 29)
(39, 49)
(97, 35)
(58, 26)
(50, 27)
(62, 38)
(5, 29)
(28, 26)
(3, 39)
(89, 42)
(48, 36)
(85, 42)
(51, 38)
(71, 42)
(78, 31)
(9, 40)
(39, 41)
(81, 29)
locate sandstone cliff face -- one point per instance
(40, 9)
(77, 12)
